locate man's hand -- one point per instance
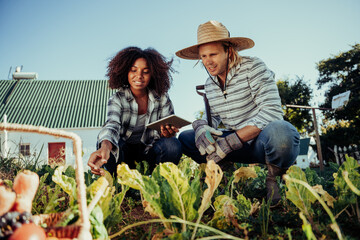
(168, 130)
(224, 146)
(99, 158)
(204, 139)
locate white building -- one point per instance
(306, 155)
(77, 106)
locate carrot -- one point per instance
(25, 186)
(7, 199)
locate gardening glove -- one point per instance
(224, 146)
(204, 139)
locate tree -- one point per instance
(342, 73)
(298, 93)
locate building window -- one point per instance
(25, 149)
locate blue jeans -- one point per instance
(277, 144)
(163, 150)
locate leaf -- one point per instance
(213, 178)
(183, 197)
(346, 195)
(147, 186)
(115, 217)
(245, 207)
(244, 173)
(98, 230)
(313, 178)
(297, 193)
(306, 227)
(189, 168)
(225, 211)
(109, 178)
(324, 195)
(54, 199)
(67, 184)
(104, 202)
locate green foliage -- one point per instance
(298, 93)
(341, 73)
(255, 187)
(108, 205)
(312, 177)
(264, 217)
(229, 212)
(299, 195)
(47, 198)
(180, 191)
(11, 165)
(170, 190)
(345, 194)
(306, 227)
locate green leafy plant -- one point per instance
(101, 197)
(303, 195)
(347, 183)
(174, 190)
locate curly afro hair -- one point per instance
(120, 65)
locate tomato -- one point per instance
(29, 231)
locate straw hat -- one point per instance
(214, 31)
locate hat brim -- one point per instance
(239, 43)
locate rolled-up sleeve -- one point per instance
(111, 129)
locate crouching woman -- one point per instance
(143, 79)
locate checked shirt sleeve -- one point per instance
(166, 106)
(111, 129)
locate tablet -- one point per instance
(172, 119)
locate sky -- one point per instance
(72, 40)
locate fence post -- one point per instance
(342, 154)
(356, 153)
(336, 155)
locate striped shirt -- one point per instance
(252, 96)
(122, 115)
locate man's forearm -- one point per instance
(248, 133)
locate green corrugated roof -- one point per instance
(55, 103)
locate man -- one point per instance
(243, 96)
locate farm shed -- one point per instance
(77, 106)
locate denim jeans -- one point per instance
(163, 150)
(277, 144)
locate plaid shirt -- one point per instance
(122, 115)
(252, 96)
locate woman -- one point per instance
(143, 79)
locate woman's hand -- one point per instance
(100, 157)
(168, 130)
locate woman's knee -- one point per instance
(169, 150)
(187, 136)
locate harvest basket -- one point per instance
(80, 231)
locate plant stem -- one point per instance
(349, 183)
(214, 237)
(177, 220)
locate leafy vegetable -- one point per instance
(174, 190)
(297, 193)
(345, 194)
(68, 184)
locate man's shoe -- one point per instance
(272, 188)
